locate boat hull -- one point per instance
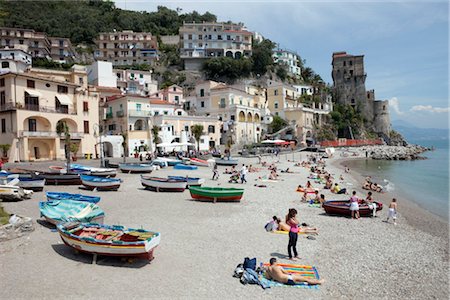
(226, 162)
(163, 184)
(137, 168)
(72, 197)
(191, 181)
(342, 208)
(62, 179)
(185, 167)
(216, 194)
(198, 162)
(100, 183)
(36, 185)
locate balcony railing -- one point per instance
(51, 134)
(109, 115)
(139, 113)
(120, 113)
(13, 106)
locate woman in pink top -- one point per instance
(292, 221)
(354, 206)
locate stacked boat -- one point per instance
(159, 184)
(100, 183)
(31, 182)
(216, 194)
(72, 197)
(86, 170)
(136, 168)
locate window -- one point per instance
(36, 44)
(202, 93)
(5, 64)
(80, 80)
(186, 128)
(63, 89)
(3, 125)
(275, 92)
(2, 98)
(211, 129)
(61, 43)
(174, 89)
(202, 104)
(156, 113)
(222, 103)
(2, 82)
(21, 42)
(350, 62)
(344, 63)
(232, 117)
(275, 105)
(85, 106)
(104, 45)
(112, 127)
(141, 75)
(166, 112)
(86, 126)
(30, 83)
(177, 99)
(138, 107)
(179, 113)
(32, 125)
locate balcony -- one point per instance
(120, 113)
(50, 134)
(139, 113)
(109, 115)
(46, 109)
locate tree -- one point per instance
(197, 132)
(125, 147)
(227, 68)
(262, 56)
(5, 148)
(278, 123)
(155, 134)
(63, 129)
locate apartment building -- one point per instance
(32, 104)
(126, 47)
(289, 59)
(200, 41)
(172, 94)
(38, 44)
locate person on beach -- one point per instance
(371, 204)
(337, 189)
(322, 199)
(292, 221)
(328, 184)
(354, 206)
(215, 173)
(243, 173)
(392, 212)
(273, 225)
(277, 273)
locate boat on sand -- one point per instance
(342, 208)
(56, 211)
(216, 194)
(163, 184)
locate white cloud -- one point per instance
(430, 108)
(394, 104)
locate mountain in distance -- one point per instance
(411, 132)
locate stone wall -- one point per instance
(381, 117)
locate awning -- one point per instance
(64, 100)
(33, 93)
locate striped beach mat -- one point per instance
(306, 271)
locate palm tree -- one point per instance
(63, 129)
(125, 147)
(197, 131)
(155, 134)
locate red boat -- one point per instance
(342, 208)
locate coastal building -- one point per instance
(201, 41)
(349, 80)
(172, 94)
(32, 104)
(38, 44)
(289, 59)
(126, 48)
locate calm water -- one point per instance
(425, 182)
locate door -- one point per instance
(36, 153)
(32, 125)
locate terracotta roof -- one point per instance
(114, 97)
(160, 102)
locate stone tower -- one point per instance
(349, 82)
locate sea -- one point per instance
(425, 182)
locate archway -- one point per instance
(237, 55)
(40, 149)
(241, 116)
(257, 118)
(71, 124)
(108, 149)
(249, 117)
(229, 54)
(139, 125)
(37, 123)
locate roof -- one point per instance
(239, 31)
(161, 102)
(107, 89)
(40, 78)
(114, 97)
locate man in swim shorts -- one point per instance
(277, 273)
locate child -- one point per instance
(392, 213)
(215, 173)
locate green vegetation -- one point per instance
(227, 68)
(277, 124)
(155, 133)
(82, 20)
(5, 148)
(45, 63)
(137, 67)
(197, 131)
(262, 58)
(169, 55)
(347, 121)
(4, 216)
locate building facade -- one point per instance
(34, 102)
(200, 41)
(288, 59)
(126, 48)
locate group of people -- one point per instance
(369, 185)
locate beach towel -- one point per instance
(306, 271)
(317, 205)
(285, 232)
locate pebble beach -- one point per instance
(201, 244)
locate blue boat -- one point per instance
(185, 167)
(73, 197)
(61, 211)
(26, 181)
(100, 183)
(191, 181)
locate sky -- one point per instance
(405, 43)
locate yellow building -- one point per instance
(33, 102)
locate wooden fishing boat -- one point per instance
(100, 183)
(342, 208)
(191, 181)
(184, 167)
(160, 163)
(136, 168)
(102, 172)
(11, 192)
(216, 194)
(57, 169)
(61, 179)
(71, 197)
(31, 182)
(163, 184)
(198, 162)
(57, 211)
(109, 240)
(226, 162)
(170, 161)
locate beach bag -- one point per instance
(238, 271)
(249, 263)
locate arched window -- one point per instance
(211, 129)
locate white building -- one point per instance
(289, 59)
(100, 73)
(14, 60)
(304, 89)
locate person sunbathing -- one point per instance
(328, 184)
(282, 226)
(286, 171)
(273, 175)
(277, 273)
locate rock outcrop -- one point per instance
(409, 152)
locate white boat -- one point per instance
(170, 161)
(198, 162)
(191, 181)
(35, 184)
(136, 168)
(163, 184)
(100, 183)
(12, 192)
(104, 172)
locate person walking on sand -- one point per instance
(371, 204)
(291, 220)
(215, 173)
(243, 173)
(354, 206)
(392, 212)
(277, 273)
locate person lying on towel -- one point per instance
(277, 273)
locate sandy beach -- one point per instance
(201, 244)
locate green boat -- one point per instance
(216, 194)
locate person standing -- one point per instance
(354, 206)
(392, 213)
(291, 220)
(215, 173)
(372, 205)
(243, 173)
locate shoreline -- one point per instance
(415, 216)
